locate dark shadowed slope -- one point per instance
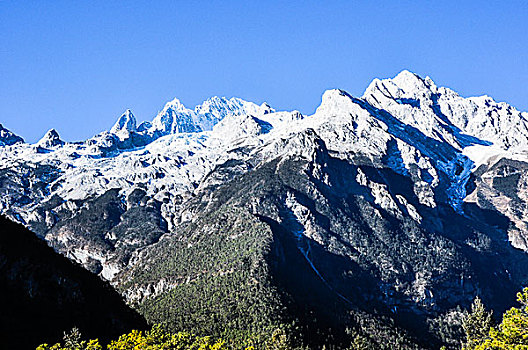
(44, 293)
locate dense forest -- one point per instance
(480, 333)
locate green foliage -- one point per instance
(360, 342)
(155, 339)
(476, 325)
(278, 340)
(512, 332)
(220, 285)
(159, 339)
(448, 327)
(219, 282)
(72, 341)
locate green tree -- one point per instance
(512, 333)
(476, 325)
(72, 341)
(278, 341)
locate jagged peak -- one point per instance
(220, 103)
(50, 139)
(176, 118)
(7, 137)
(407, 75)
(52, 134)
(219, 99)
(409, 81)
(405, 83)
(127, 122)
(176, 105)
(216, 102)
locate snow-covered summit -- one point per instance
(8, 138)
(443, 115)
(126, 122)
(176, 118)
(50, 139)
(406, 123)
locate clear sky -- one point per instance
(77, 65)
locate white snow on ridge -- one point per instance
(126, 123)
(443, 115)
(406, 123)
(427, 133)
(175, 117)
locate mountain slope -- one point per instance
(335, 253)
(386, 211)
(45, 294)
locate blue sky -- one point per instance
(77, 65)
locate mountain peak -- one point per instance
(8, 138)
(176, 105)
(126, 122)
(409, 81)
(176, 118)
(50, 139)
(407, 75)
(405, 84)
(334, 100)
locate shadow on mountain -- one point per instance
(44, 294)
(463, 139)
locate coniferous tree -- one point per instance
(476, 325)
(512, 333)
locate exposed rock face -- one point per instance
(401, 201)
(124, 125)
(501, 185)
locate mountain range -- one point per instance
(382, 215)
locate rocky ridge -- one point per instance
(377, 181)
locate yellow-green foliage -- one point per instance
(155, 339)
(84, 345)
(158, 339)
(476, 325)
(72, 341)
(512, 332)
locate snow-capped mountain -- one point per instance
(442, 114)
(8, 138)
(377, 181)
(431, 134)
(126, 123)
(407, 123)
(176, 118)
(50, 139)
